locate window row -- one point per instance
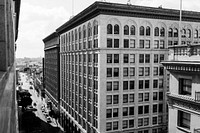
(130, 71)
(131, 30)
(131, 43)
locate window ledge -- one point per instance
(183, 129)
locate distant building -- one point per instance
(52, 69)
(184, 67)
(9, 21)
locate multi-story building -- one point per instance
(184, 67)
(9, 20)
(52, 69)
(111, 76)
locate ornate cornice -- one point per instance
(184, 102)
(186, 66)
(116, 9)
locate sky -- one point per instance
(38, 19)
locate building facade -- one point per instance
(110, 71)
(52, 69)
(184, 68)
(9, 20)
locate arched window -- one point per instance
(132, 30)
(109, 29)
(156, 31)
(141, 31)
(189, 33)
(84, 32)
(89, 30)
(95, 29)
(196, 33)
(148, 30)
(162, 32)
(183, 33)
(170, 32)
(175, 32)
(126, 30)
(116, 29)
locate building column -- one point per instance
(3, 36)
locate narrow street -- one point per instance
(47, 127)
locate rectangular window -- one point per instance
(146, 96)
(146, 121)
(155, 71)
(155, 96)
(125, 98)
(132, 71)
(141, 71)
(141, 82)
(146, 109)
(115, 112)
(155, 58)
(185, 86)
(115, 99)
(125, 71)
(160, 108)
(162, 57)
(141, 58)
(126, 43)
(116, 58)
(161, 71)
(132, 58)
(108, 126)
(140, 122)
(131, 110)
(132, 84)
(131, 123)
(116, 43)
(109, 86)
(109, 99)
(156, 44)
(116, 85)
(125, 85)
(162, 44)
(184, 119)
(109, 58)
(147, 44)
(155, 108)
(109, 43)
(115, 125)
(169, 43)
(154, 120)
(109, 72)
(116, 72)
(125, 124)
(126, 58)
(141, 44)
(125, 111)
(108, 113)
(146, 84)
(132, 43)
(160, 83)
(140, 97)
(155, 83)
(140, 110)
(147, 58)
(160, 96)
(131, 98)
(147, 71)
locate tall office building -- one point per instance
(184, 67)
(9, 20)
(110, 71)
(51, 69)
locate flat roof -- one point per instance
(116, 9)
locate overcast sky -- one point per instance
(40, 18)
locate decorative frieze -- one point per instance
(189, 103)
